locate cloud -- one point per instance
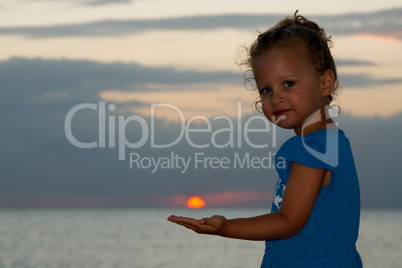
(352, 62)
(47, 76)
(377, 152)
(40, 163)
(108, 2)
(58, 79)
(42, 85)
(92, 2)
(41, 166)
(51, 86)
(363, 80)
(227, 198)
(385, 23)
(127, 27)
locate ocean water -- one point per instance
(114, 238)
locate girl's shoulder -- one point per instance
(319, 149)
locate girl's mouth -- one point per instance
(280, 112)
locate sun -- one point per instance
(195, 202)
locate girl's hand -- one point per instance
(303, 186)
(215, 225)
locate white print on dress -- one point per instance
(279, 191)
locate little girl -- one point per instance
(315, 213)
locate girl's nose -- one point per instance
(277, 96)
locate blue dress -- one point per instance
(329, 237)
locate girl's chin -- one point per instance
(280, 121)
(285, 125)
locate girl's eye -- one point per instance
(265, 91)
(289, 83)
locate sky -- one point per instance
(125, 78)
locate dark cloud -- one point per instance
(377, 152)
(51, 86)
(385, 22)
(59, 79)
(364, 81)
(91, 2)
(108, 2)
(38, 159)
(352, 62)
(34, 75)
(42, 85)
(127, 27)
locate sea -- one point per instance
(120, 238)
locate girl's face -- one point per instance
(290, 88)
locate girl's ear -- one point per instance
(327, 82)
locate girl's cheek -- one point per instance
(267, 110)
(265, 105)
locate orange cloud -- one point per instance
(394, 36)
(225, 199)
(223, 100)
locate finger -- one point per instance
(174, 218)
(202, 226)
(185, 220)
(171, 217)
(190, 223)
(192, 226)
(204, 221)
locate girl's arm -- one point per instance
(301, 192)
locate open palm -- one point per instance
(213, 225)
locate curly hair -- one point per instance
(296, 29)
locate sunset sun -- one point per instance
(195, 202)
